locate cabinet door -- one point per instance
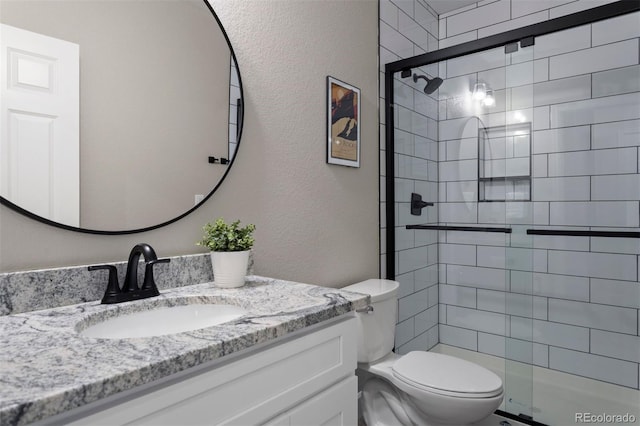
(335, 406)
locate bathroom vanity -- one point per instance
(290, 359)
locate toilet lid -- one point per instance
(446, 374)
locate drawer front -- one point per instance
(335, 406)
(248, 390)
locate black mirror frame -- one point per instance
(240, 124)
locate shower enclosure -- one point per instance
(528, 259)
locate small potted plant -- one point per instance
(230, 246)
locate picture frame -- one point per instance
(343, 126)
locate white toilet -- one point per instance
(419, 388)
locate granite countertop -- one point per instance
(47, 368)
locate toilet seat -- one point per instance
(446, 375)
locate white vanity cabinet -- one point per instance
(307, 378)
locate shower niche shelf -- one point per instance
(504, 163)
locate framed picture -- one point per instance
(343, 127)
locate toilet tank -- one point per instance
(376, 329)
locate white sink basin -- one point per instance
(163, 321)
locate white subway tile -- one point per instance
(615, 345)
(561, 189)
(515, 212)
(457, 254)
(403, 189)
(426, 105)
(442, 28)
(434, 296)
(426, 319)
(462, 149)
(425, 18)
(521, 97)
(389, 13)
(463, 191)
(549, 333)
(494, 301)
(425, 237)
(526, 259)
(615, 245)
(619, 293)
(595, 213)
(412, 259)
(479, 238)
(599, 58)
(598, 265)
(458, 39)
(597, 367)
(614, 135)
(562, 42)
(525, 305)
(458, 128)
(520, 74)
(460, 337)
(395, 42)
(561, 286)
(407, 284)
(541, 118)
(513, 24)
(602, 317)
(491, 344)
(404, 332)
(541, 70)
(404, 238)
(473, 319)
(616, 187)
(491, 257)
(598, 162)
(407, 6)
(426, 277)
(412, 30)
(562, 90)
(559, 140)
(458, 212)
(482, 61)
(594, 111)
(490, 14)
(458, 10)
(615, 29)
(458, 170)
(561, 243)
(412, 305)
(576, 6)
(519, 350)
(487, 278)
(617, 81)
(526, 7)
(457, 295)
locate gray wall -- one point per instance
(315, 223)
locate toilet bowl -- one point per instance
(419, 387)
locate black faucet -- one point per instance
(130, 290)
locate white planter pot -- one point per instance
(229, 267)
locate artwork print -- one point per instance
(343, 144)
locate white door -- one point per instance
(39, 126)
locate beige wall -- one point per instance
(316, 223)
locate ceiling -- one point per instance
(444, 6)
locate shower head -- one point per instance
(432, 83)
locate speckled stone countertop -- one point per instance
(47, 368)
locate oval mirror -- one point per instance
(118, 116)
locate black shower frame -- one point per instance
(589, 16)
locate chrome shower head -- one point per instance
(432, 83)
